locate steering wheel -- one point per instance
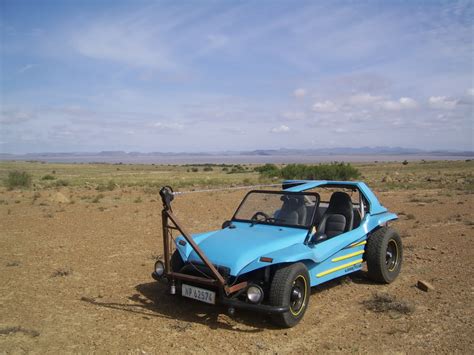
(260, 214)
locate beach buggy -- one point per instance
(278, 245)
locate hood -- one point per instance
(237, 247)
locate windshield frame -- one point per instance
(279, 192)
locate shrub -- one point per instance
(268, 170)
(208, 168)
(236, 169)
(48, 177)
(194, 170)
(61, 182)
(19, 179)
(110, 186)
(405, 162)
(334, 171)
(97, 198)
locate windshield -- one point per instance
(278, 207)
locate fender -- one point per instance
(185, 250)
(291, 254)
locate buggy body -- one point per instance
(279, 244)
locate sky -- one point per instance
(195, 76)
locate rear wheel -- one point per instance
(384, 255)
(290, 287)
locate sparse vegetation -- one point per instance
(97, 198)
(383, 302)
(61, 183)
(48, 177)
(15, 330)
(18, 179)
(100, 235)
(62, 272)
(109, 186)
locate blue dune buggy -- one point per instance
(278, 245)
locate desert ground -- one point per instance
(77, 249)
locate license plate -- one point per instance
(199, 294)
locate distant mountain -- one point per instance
(337, 151)
(256, 156)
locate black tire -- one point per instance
(384, 255)
(290, 287)
(176, 261)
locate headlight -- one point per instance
(159, 268)
(254, 294)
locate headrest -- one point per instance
(339, 200)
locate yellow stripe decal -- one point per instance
(357, 244)
(347, 256)
(337, 268)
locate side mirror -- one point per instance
(318, 238)
(227, 224)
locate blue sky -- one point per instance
(235, 75)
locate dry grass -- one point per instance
(14, 330)
(383, 302)
(62, 272)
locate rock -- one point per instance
(387, 179)
(60, 198)
(424, 286)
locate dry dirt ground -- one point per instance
(75, 277)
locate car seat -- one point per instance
(339, 216)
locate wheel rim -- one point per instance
(391, 255)
(298, 295)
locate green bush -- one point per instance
(48, 177)
(110, 186)
(207, 168)
(194, 170)
(268, 170)
(61, 183)
(19, 179)
(237, 169)
(334, 171)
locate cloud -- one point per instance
(403, 103)
(470, 92)
(299, 93)
(294, 115)
(364, 99)
(442, 102)
(325, 106)
(131, 45)
(173, 126)
(26, 68)
(11, 117)
(280, 129)
(217, 40)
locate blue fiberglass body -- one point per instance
(240, 248)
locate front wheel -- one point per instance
(290, 287)
(384, 254)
